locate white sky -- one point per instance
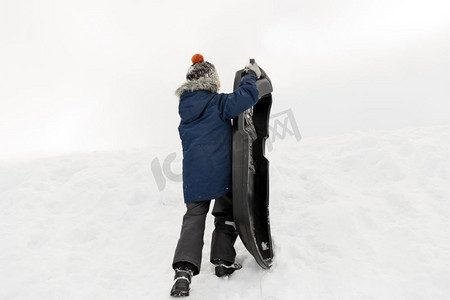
(100, 74)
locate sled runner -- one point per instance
(250, 171)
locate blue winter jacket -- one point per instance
(205, 132)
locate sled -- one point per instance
(250, 170)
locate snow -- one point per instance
(364, 215)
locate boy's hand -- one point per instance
(253, 69)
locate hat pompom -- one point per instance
(197, 58)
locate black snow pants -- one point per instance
(190, 244)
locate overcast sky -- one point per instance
(101, 74)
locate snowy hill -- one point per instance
(360, 216)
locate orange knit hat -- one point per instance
(201, 68)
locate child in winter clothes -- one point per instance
(205, 132)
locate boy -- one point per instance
(206, 136)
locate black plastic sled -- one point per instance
(250, 171)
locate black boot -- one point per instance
(183, 277)
(225, 268)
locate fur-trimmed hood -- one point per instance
(209, 84)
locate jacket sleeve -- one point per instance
(231, 105)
